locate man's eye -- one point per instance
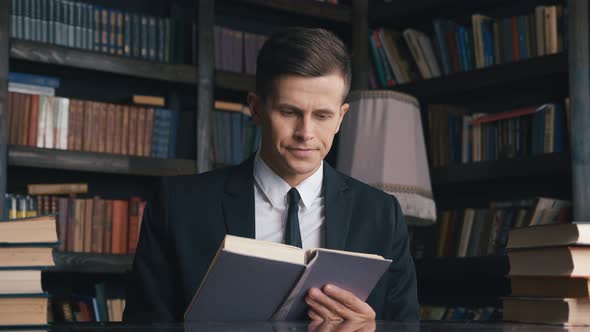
(323, 116)
(287, 112)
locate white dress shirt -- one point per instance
(271, 204)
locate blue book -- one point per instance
(441, 44)
(377, 60)
(507, 39)
(559, 129)
(460, 48)
(522, 40)
(172, 134)
(47, 81)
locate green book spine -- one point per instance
(112, 31)
(89, 12)
(45, 19)
(119, 33)
(14, 19)
(57, 22)
(127, 34)
(34, 14)
(144, 37)
(152, 38)
(51, 21)
(104, 30)
(168, 39)
(27, 19)
(101, 299)
(71, 24)
(161, 39)
(78, 21)
(96, 14)
(135, 35)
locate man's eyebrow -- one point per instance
(297, 109)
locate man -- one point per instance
(285, 193)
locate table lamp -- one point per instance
(382, 144)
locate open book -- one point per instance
(252, 280)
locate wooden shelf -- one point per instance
(70, 57)
(73, 262)
(235, 81)
(396, 10)
(97, 162)
(551, 165)
(537, 74)
(310, 8)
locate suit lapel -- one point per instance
(238, 201)
(338, 208)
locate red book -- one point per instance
(120, 222)
(134, 221)
(132, 136)
(515, 48)
(108, 224)
(504, 115)
(33, 120)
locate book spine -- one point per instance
(144, 37)
(152, 38)
(127, 18)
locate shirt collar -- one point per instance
(275, 188)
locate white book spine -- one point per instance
(65, 109)
(30, 89)
(43, 101)
(50, 123)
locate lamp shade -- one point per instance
(382, 144)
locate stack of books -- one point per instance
(25, 249)
(549, 272)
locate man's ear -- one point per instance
(256, 107)
(343, 109)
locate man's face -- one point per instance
(299, 121)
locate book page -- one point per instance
(264, 249)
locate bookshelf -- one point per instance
(75, 58)
(108, 78)
(97, 162)
(535, 76)
(481, 281)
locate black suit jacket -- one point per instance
(183, 227)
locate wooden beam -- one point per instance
(360, 45)
(205, 19)
(4, 55)
(579, 79)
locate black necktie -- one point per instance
(292, 232)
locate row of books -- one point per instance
(84, 309)
(549, 274)
(459, 137)
(99, 225)
(71, 124)
(235, 135)
(93, 27)
(429, 312)
(235, 50)
(484, 231)
(26, 247)
(411, 55)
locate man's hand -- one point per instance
(335, 304)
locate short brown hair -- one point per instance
(301, 51)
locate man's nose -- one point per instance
(304, 130)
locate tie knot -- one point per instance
(294, 196)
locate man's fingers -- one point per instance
(345, 297)
(334, 307)
(317, 304)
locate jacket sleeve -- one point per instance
(151, 286)
(401, 300)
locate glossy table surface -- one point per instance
(319, 327)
